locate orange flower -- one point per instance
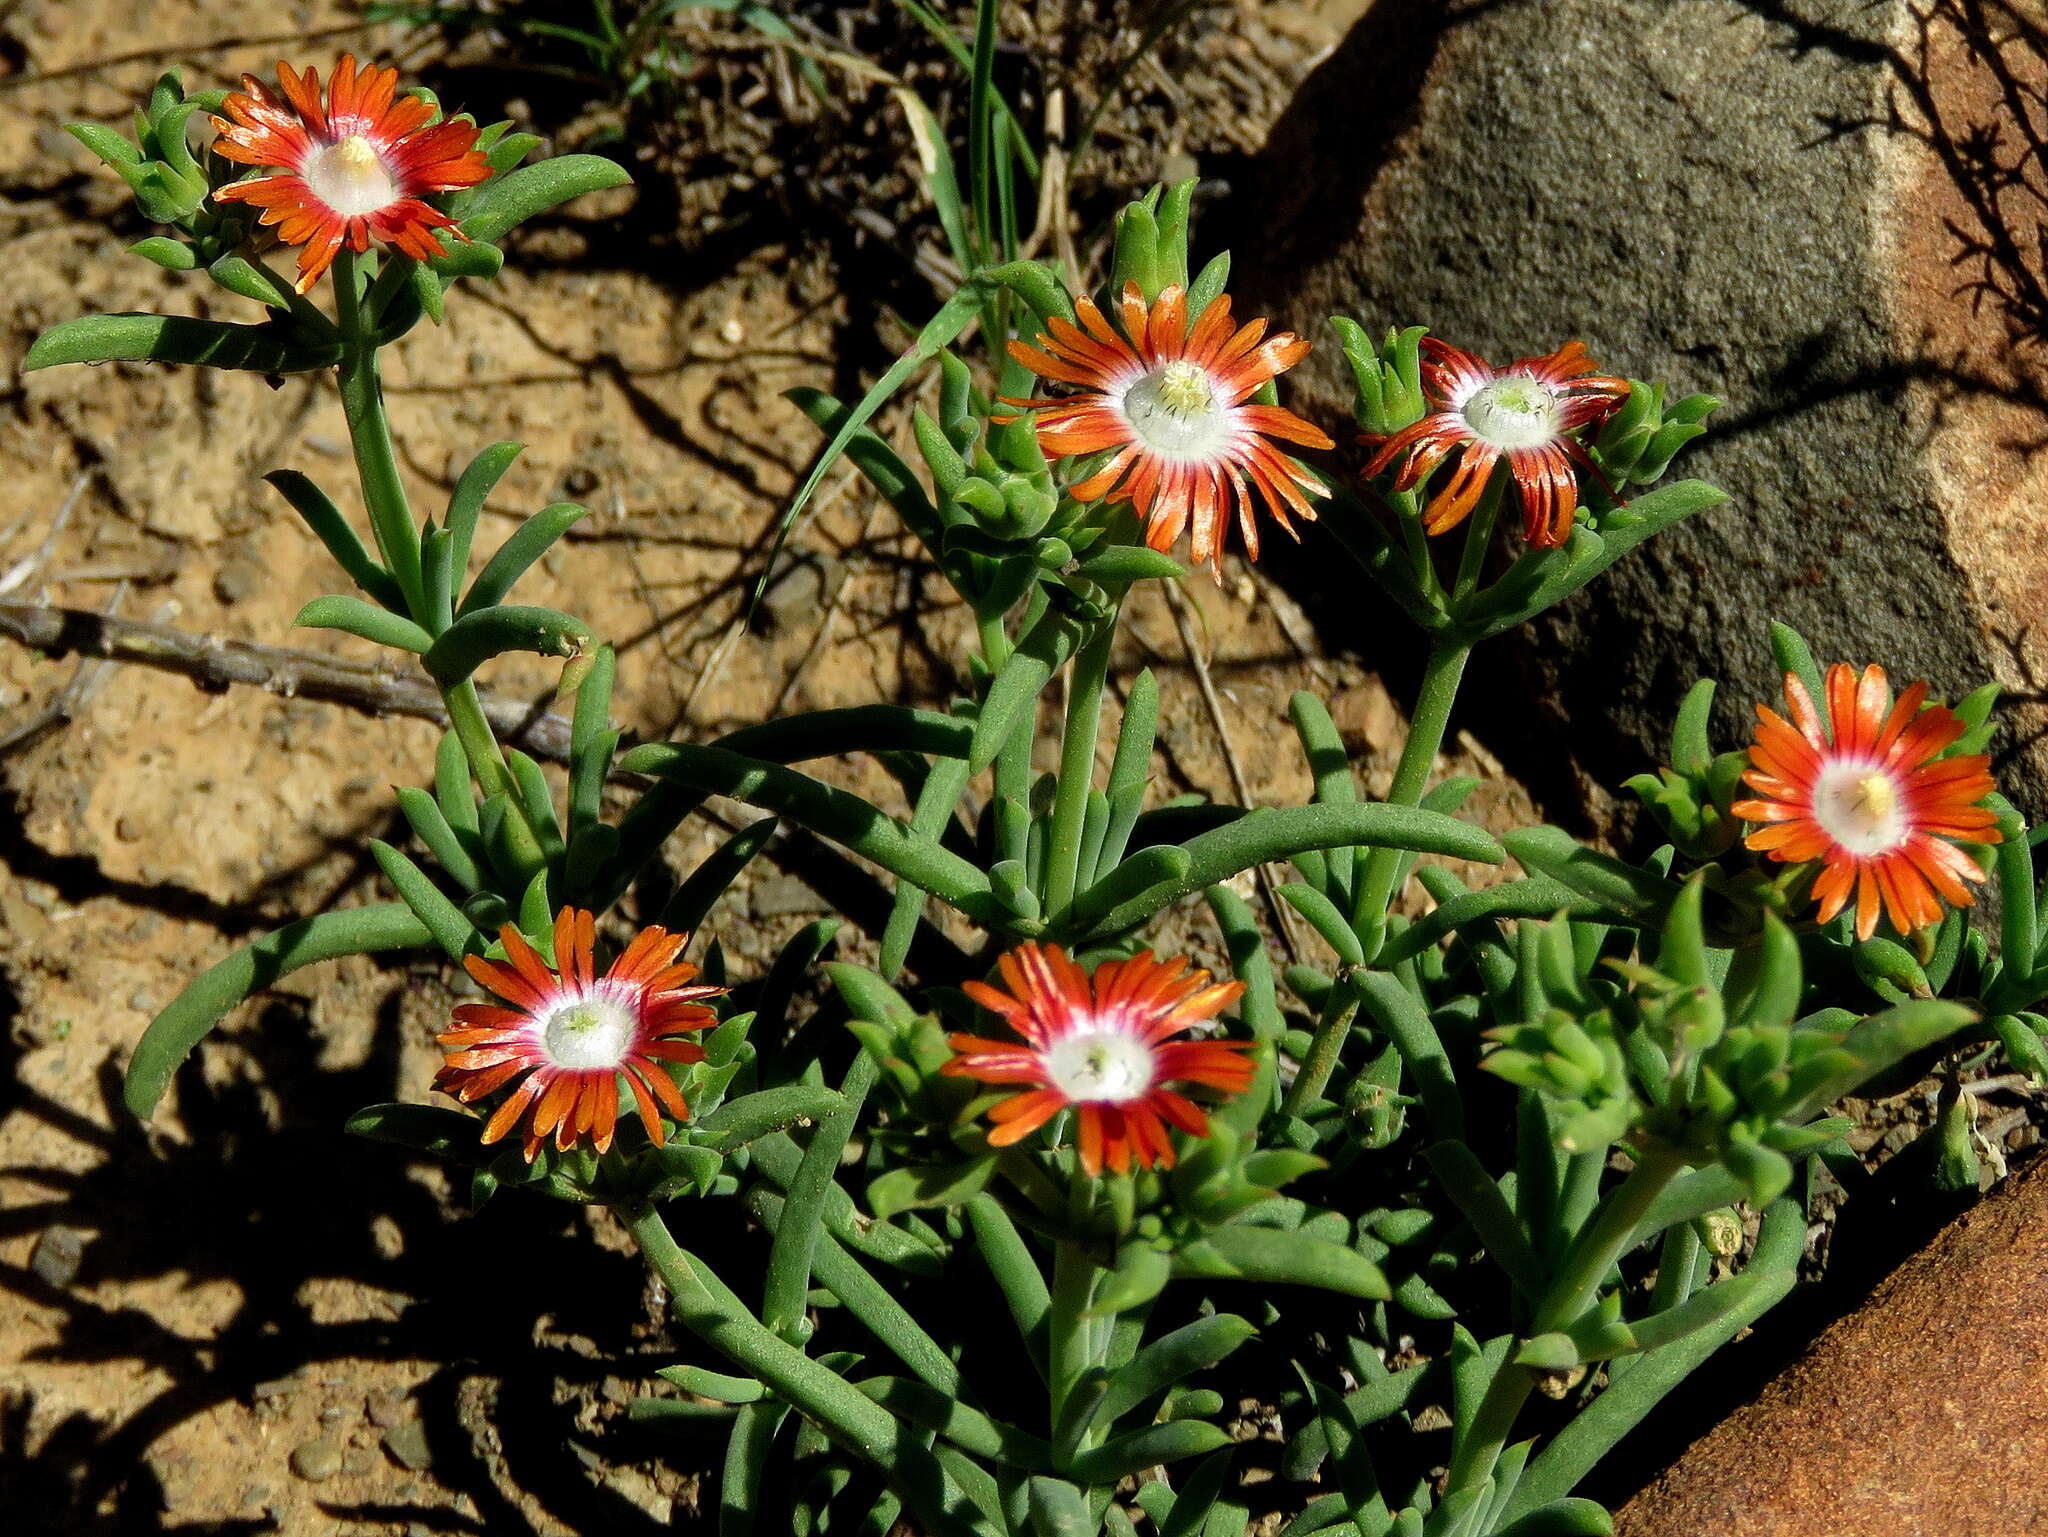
(1169, 398)
(1866, 791)
(354, 170)
(1102, 1049)
(1525, 413)
(571, 1035)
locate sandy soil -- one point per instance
(188, 1307)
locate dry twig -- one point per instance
(215, 664)
(1279, 912)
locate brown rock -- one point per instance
(1823, 211)
(1922, 1414)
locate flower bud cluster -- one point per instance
(1718, 1070)
(1388, 377)
(1639, 441)
(170, 183)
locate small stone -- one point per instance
(636, 1488)
(141, 1002)
(407, 1444)
(798, 592)
(256, 1496)
(580, 481)
(276, 1387)
(320, 443)
(386, 1409)
(57, 1256)
(317, 1461)
(240, 576)
(782, 894)
(357, 1462)
(127, 829)
(55, 144)
(335, 1414)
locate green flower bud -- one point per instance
(1388, 377)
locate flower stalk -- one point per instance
(1434, 699)
(390, 511)
(1077, 766)
(1571, 1292)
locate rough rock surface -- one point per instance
(1792, 204)
(1925, 1411)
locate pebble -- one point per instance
(276, 1387)
(357, 1462)
(240, 576)
(320, 443)
(783, 894)
(335, 1414)
(386, 1409)
(316, 1461)
(407, 1444)
(57, 1256)
(256, 1496)
(141, 1002)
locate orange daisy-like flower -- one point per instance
(1864, 789)
(1102, 1048)
(1525, 413)
(1169, 397)
(571, 1034)
(355, 169)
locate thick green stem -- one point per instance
(1596, 1250)
(708, 1308)
(1325, 1050)
(1077, 769)
(1433, 701)
(1070, 1335)
(479, 743)
(1408, 513)
(1573, 1290)
(1478, 538)
(362, 403)
(1013, 763)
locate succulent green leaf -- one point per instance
(141, 338)
(352, 616)
(507, 201)
(753, 1116)
(477, 637)
(205, 1000)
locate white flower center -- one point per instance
(1100, 1065)
(1857, 804)
(1176, 410)
(588, 1032)
(1515, 412)
(350, 177)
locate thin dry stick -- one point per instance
(69, 701)
(1279, 912)
(214, 664)
(838, 581)
(18, 573)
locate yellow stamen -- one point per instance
(1184, 389)
(356, 153)
(1876, 796)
